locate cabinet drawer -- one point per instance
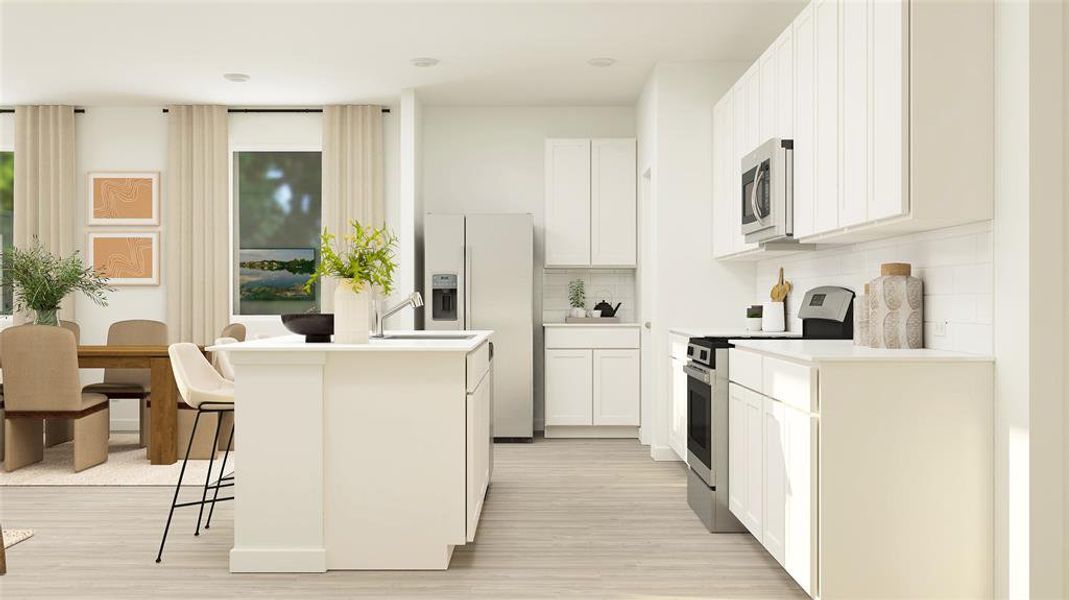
(744, 368)
(791, 383)
(478, 362)
(591, 337)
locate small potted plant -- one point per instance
(363, 264)
(42, 280)
(753, 317)
(577, 297)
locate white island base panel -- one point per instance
(351, 460)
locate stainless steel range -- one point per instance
(826, 313)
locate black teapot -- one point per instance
(607, 310)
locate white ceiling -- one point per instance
(310, 53)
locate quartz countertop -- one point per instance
(816, 351)
(412, 341)
(729, 333)
(619, 324)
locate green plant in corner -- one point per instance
(41, 281)
(754, 311)
(577, 293)
(364, 258)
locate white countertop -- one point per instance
(729, 333)
(845, 350)
(296, 343)
(624, 325)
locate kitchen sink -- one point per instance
(429, 336)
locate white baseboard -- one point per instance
(590, 431)
(664, 453)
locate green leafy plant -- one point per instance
(754, 311)
(364, 258)
(577, 293)
(41, 280)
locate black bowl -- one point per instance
(316, 328)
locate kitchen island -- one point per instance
(360, 456)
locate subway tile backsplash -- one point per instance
(955, 265)
(611, 285)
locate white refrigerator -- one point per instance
(479, 274)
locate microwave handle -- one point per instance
(753, 196)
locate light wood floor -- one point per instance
(564, 518)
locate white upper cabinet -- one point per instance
(867, 84)
(803, 31)
(725, 224)
(613, 207)
(567, 227)
(591, 207)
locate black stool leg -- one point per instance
(208, 477)
(178, 486)
(222, 473)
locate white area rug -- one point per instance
(14, 536)
(126, 465)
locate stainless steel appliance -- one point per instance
(479, 274)
(766, 192)
(826, 313)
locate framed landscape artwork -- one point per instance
(126, 198)
(272, 280)
(126, 258)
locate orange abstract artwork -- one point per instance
(124, 258)
(122, 198)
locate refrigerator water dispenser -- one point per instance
(444, 297)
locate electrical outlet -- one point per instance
(939, 329)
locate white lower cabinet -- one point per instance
(592, 385)
(677, 393)
(569, 387)
(479, 449)
(774, 519)
(746, 458)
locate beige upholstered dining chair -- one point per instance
(235, 331)
(41, 382)
(132, 383)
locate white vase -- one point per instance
(577, 311)
(773, 317)
(753, 323)
(352, 314)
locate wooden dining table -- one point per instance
(163, 416)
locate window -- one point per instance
(7, 217)
(277, 215)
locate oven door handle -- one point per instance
(753, 196)
(699, 374)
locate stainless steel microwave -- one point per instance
(766, 192)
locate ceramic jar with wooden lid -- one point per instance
(861, 318)
(896, 308)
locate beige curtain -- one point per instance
(196, 227)
(45, 198)
(352, 173)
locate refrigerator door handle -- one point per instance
(467, 287)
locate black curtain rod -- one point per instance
(6, 111)
(277, 110)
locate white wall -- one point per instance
(953, 263)
(490, 160)
(690, 288)
(118, 139)
(410, 205)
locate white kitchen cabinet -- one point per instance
(803, 31)
(567, 227)
(746, 458)
(824, 447)
(592, 386)
(616, 387)
(774, 517)
(591, 205)
(725, 223)
(826, 86)
(569, 386)
(613, 202)
(479, 449)
(783, 50)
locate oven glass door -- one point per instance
(756, 198)
(700, 421)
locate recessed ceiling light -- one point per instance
(236, 77)
(601, 61)
(424, 61)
